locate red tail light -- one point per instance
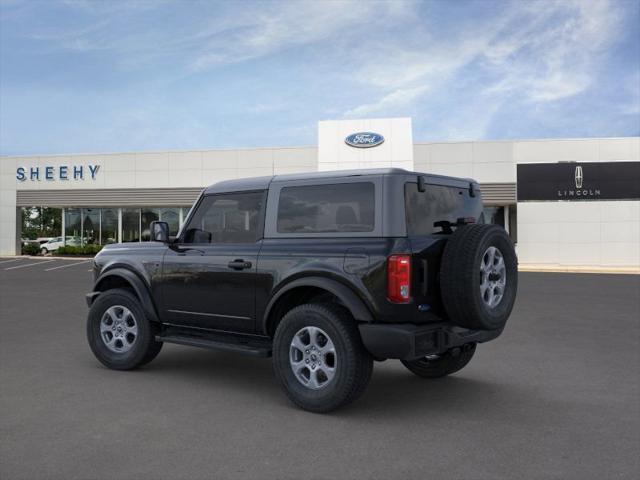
(399, 278)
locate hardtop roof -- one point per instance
(262, 183)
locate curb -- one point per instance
(575, 269)
(50, 257)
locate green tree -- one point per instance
(41, 222)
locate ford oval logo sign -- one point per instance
(364, 139)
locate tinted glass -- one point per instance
(90, 226)
(130, 224)
(436, 204)
(148, 215)
(229, 218)
(109, 226)
(72, 223)
(493, 215)
(172, 217)
(343, 207)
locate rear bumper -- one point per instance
(409, 342)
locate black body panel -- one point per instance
(234, 287)
(202, 288)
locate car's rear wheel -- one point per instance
(319, 358)
(436, 366)
(119, 333)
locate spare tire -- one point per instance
(479, 277)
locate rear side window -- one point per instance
(438, 203)
(342, 207)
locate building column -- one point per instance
(119, 236)
(18, 235)
(10, 214)
(64, 227)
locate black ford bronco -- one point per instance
(326, 272)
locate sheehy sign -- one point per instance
(60, 172)
(575, 181)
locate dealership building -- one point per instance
(567, 203)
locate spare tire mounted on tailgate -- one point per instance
(479, 277)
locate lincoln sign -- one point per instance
(575, 181)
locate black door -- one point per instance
(209, 274)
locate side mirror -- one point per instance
(160, 232)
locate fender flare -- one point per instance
(138, 285)
(347, 296)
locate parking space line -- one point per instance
(65, 266)
(30, 264)
(9, 261)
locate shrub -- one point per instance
(83, 250)
(31, 249)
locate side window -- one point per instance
(227, 218)
(342, 207)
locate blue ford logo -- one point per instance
(364, 139)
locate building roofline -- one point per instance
(518, 140)
(146, 152)
(296, 147)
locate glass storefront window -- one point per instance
(493, 215)
(148, 215)
(72, 226)
(85, 226)
(172, 217)
(109, 226)
(130, 224)
(90, 226)
(41, 222)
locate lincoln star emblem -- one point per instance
(579, 177)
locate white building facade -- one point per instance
(567, 203)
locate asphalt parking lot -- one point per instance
(556, 396)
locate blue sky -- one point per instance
(92, 76)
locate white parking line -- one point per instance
(65, 266)
(30, 264)
(9, 261)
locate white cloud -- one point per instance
(398, 98)
(553, 56)
(285, 25)
(538, 51)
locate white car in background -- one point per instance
(56, 242)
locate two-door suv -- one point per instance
(326, 272)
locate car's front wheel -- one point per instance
(119, 333)
(44, 251)
(319, 358)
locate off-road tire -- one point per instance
(460, 277)
(353, 363)
(144, 349)
(446, 364)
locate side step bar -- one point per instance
(253, 345)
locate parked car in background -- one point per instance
(52, 245)
(56, 242)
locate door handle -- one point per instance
(239, 264)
